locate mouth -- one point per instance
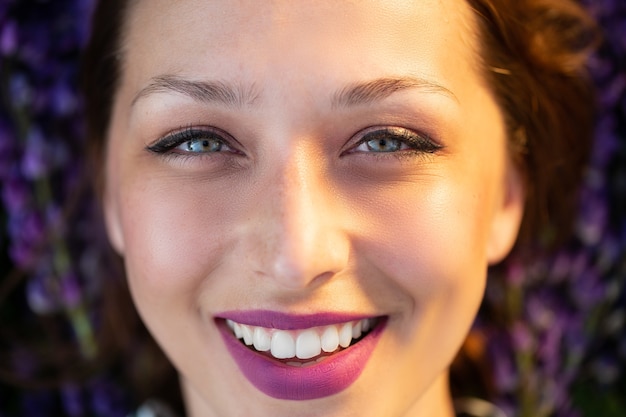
(303, 347)
(300, 357)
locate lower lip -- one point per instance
(278, 380)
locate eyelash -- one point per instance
(416, 143)
(411, 143)
(168, 144)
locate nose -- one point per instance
(300, 224)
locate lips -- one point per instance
(300, 357)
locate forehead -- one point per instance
(320, 41)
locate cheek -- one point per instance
(432, 250)
(433, 238)
(173, 240)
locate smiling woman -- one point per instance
(307, 195)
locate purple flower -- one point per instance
(20, 91)
(587, 290)
(8, 38)
(63, 100)
(523, 339)
(506, 377)
(107, 399)
(7, 148)
(27, 231)
(42, 294)
(16, 194)
(71, 292)
(36, 159)
(72, 398)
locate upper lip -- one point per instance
(288, 321)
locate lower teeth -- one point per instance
(305, 364)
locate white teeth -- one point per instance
(356, 330)
(366, 325)
(283, 345)
(330, 339)
(247, 334)
(301, 344)
(261, 339)
(345, 335)
(237, 330)
(308, 345)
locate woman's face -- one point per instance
(294, 171)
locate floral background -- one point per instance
(554, 330)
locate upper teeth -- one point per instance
(301, 344)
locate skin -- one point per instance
(296, 216)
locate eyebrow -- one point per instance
(360, 93)
(381, 88)
(204, 91)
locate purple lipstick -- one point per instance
(295, 357)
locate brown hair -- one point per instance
(533, 56)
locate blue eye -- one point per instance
(395, 139)
(193, 141)
(382, 145)
(201, 145)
